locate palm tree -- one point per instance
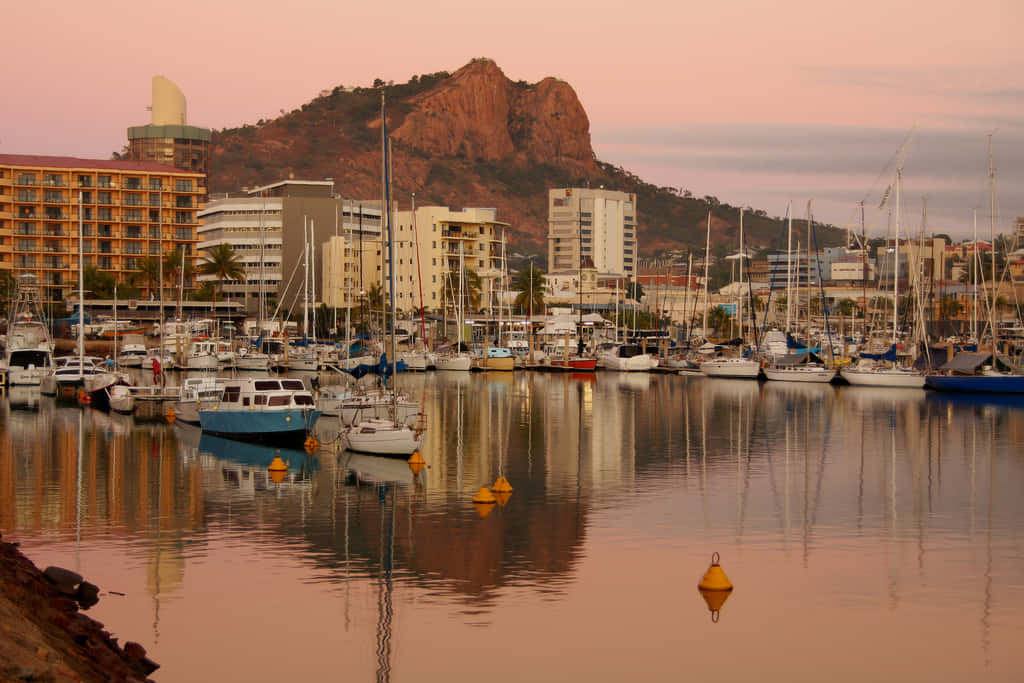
(530, 283)
(719, 319)
(149, 272)
(223, 264)
(172, 267)
(100, 283)
(470, 290)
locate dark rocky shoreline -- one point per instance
(44, 636)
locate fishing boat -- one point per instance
(133, 351)
(69, 374)
(29, 354)
(261, 409)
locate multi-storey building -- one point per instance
(599, 224)
(436, 238)
(128, 211)
(168, 139)
(253, 226)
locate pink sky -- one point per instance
(76, 78)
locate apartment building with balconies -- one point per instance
(127, 210)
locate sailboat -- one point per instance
(386, 436)
(982, 372)
(457, 358)
(799, 367)
(869, 371)
(734, 367)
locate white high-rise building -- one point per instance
(599, 225)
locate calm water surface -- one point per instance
(871, 534)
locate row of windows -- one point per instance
(102, 180)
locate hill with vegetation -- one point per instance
(473, 138)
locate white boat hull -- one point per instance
(883, 377)
(732, 368)
(814, 374)
(453, 363)
(382, 437)
(640, 363)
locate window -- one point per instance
(104, 197)
(26, 195)
(133, 183)
(53, 196)
(154, 247)
(154, 184)
(26, 178)
(154, 232)
(261, 399)
(182, 234)
(104, 181)
(133, 199)
(84, 181)
(26, 245)
(154, 199)
(133, 214)
(182, 185)
(183, 201)
(53, 179)
(104, 214)
(87, 197)
(131, 264)
(182, 216)
(105, 247)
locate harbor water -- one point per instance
(870, 534)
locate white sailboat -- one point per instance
(386, 436)
(734, 367)
(870, 372)
(456, 359)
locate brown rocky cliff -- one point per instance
(480, 114)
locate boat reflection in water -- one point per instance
(246, 463)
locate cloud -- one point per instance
(764, 165)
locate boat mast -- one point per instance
(739, 299)
(579, 273)
(992, 233)
(707, 252)
(81, 291)
(419, 276)
(896, 262)
(386, 144)
(974, 281)
(305, 280)
(789, 264)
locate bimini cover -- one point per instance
(889, 355)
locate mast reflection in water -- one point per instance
(878, 529)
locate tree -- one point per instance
(847, 307)
(634, 291)
(951, 306)
(149, 274)
(223, 264)
(7, 289)
(531, 284)
(173, 274)
(99, 282)
(719, 319)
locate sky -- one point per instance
(757, 103)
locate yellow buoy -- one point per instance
(312, 445)
(502, 486)
(502, 497)
(715, 578)
(278, 465)
(277, 476)
(715, 588)
(483, 509)
(416, 462)
(169, 414)
(484, 496)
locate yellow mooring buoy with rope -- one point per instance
(715, 587)
(416, 463)
(501, 485)
(170, 415)
(311, 444)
